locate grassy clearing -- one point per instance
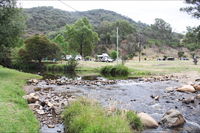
(141, 69)
(86, 116)
(15, 116)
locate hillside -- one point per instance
(50, 20)
(46, 19)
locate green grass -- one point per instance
(116, 70)
(15, 116)
(86, 116)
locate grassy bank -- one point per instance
(86, 116)
(15, 116)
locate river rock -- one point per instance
(186, 88)
(172, 118)
(35, 81)
(31, 98)
(196, 86)
(169, 89)
(198, 96)
(51, 126)
(34, 106)
(37, 89)
(189, 100)
(147, 120)
(40, 111)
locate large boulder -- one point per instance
(186, 88)
(31, 98)
(172, 118)
(196, 87)
(147, 120)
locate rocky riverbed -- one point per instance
(154, 96)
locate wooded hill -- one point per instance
(46, 19)
(50, 20)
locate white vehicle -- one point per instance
(104, 58)
(77, 57)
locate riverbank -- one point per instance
(15, 115)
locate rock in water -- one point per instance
(147, 120)
(186, 88)
(172, 118)
(198, 96)
(196, 86)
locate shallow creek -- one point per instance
(137, 95)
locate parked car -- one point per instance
(104, 58)
(77, 57)
(171, 58)
(184, 58)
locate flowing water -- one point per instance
(137, 95)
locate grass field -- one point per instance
(145, 68)
(15, 116)
(141, 69)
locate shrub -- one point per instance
(71, 65)
(87, 58)
(86, 116)
(134, 120)
(117, 70)
(113, 55)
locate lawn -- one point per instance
(15, 116)
(143, 68)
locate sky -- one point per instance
(144, 11)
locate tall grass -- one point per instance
(117, 70)
(86, 116)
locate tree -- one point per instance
(81, 37)
(180, 54)
(59, 39)
(193, 34)
(141, 40)
(194, 9)
(162, 30)
(12, 24)
(113, 55)
(39, 47)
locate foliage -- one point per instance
(16, 117)
(194, 9)
(81, 37)
(192, 39)
(113, 55)
(60, 40)
(180, 54)
(11, 27)
(134, 120)
(105, 23)
(71, 65)
(39, 47)
(87, 58)
(117, 70)
(86, 116)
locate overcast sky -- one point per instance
(144, 11)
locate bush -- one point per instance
(87, 58)
(86, 116)
(113, 55)
(71, 65)
(117, 70)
